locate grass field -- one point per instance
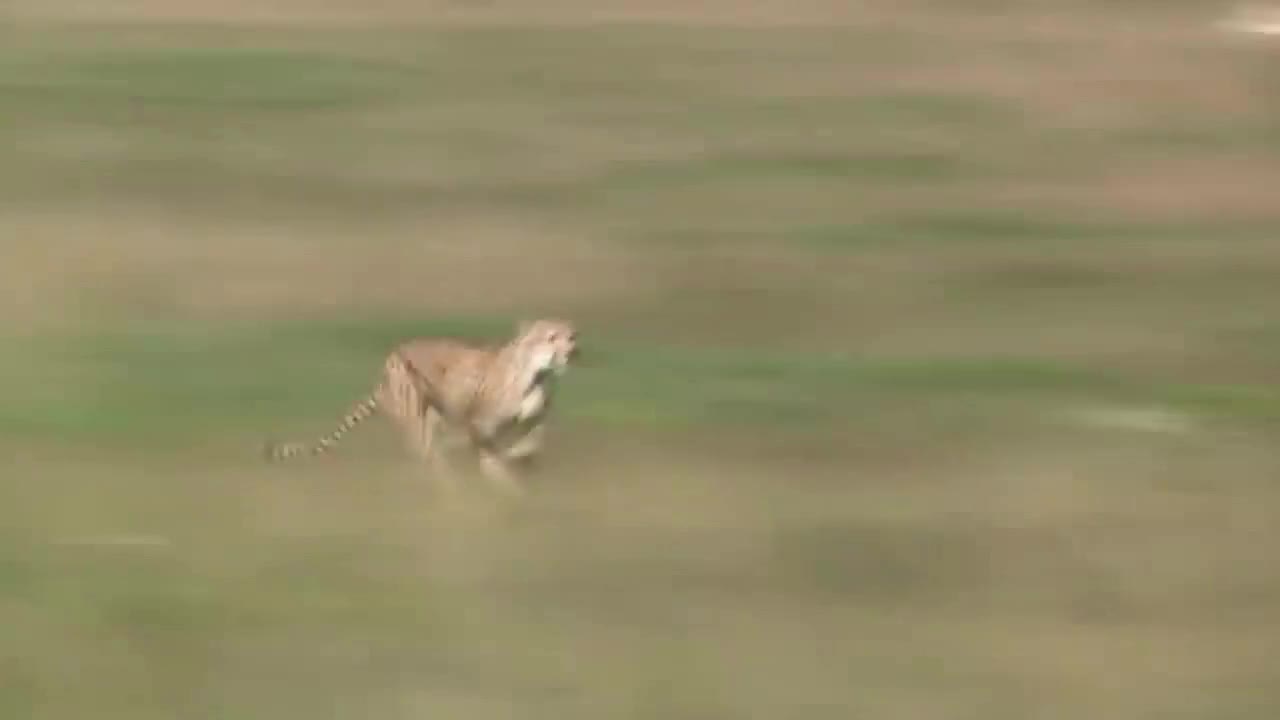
(933, 357)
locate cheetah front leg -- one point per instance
(500, 473)
(489, 442)
(527, 445)
(522, 452)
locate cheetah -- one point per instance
(439, 390)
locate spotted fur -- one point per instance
(494, 399)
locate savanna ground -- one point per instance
(933, 350)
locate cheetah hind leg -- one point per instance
(430, 440)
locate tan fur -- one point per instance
(494, 399)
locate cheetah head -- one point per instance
(550, 344)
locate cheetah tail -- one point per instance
(359, 413)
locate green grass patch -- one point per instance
(235, 79)
(226, 127)
(141, 386)
(814, 166)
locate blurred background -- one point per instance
(933, 345)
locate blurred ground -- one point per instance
(934, 356)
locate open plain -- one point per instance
(933, 347)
